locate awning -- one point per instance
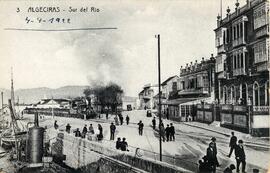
(187, 101)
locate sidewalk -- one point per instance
(248, 139)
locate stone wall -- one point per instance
(91, 156)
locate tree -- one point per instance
(109, 95)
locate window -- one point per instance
(255, 94)
(174, 86)
(241, 29)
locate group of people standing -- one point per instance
(86, 131)
(210, 161)
(168, 133)
(120, 118)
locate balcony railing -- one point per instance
(203, 90)
(260, 108)
(239, 71)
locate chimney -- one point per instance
(36, 120)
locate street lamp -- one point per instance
(159, 98)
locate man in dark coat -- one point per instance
(118, 143)
(168, 132)
(127, 119)
(154, 123)
(84, 131)
(213, 139)
(233, 143)
(77, 133)
(68, 127)
(172, 132)
(211, 157)
(121, 118)
(140, 128)
(112, 128)
(124, 145)
(240, 156)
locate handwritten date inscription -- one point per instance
(49, 20)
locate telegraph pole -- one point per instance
(159, 100)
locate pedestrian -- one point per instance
(116, 120)
(213, 139)
(167, 113)
(124, 145)
(91, 129)
(107, 115)
(204, 165)
(100, 134)
(84, 131)
(240, 156)
(55, 125)
(118, 143)
(172, 133)
(121, 118)
(211, 157)
(68, 127)
(229, 169)
(127, 119)
(140, 128)
(154, 123)
(167, 131)
(233, 144)
(162, 132)
(112, 128)
(77, 133)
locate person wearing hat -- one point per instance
(211, 157)
(213, 139)
(229, 169)
(240, 156)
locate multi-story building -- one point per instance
(196, 84)
(242, 41)
(242, 62)
(146, 96)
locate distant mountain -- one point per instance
(33, 95)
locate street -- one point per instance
(190, 144)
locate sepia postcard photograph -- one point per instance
(134, 86)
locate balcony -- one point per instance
(262, 32)
(262, 67)
(222, 75)
(203, 90)
(261, 109)
(259, 57)
(221, 49)
(238, 41)
(239, 72)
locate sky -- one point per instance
(126, 55)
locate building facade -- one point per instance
(242, 62)
(195, 84)
(146, 96)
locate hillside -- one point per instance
(33, 95)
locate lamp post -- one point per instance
(159, 98)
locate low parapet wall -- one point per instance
(85, 155)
